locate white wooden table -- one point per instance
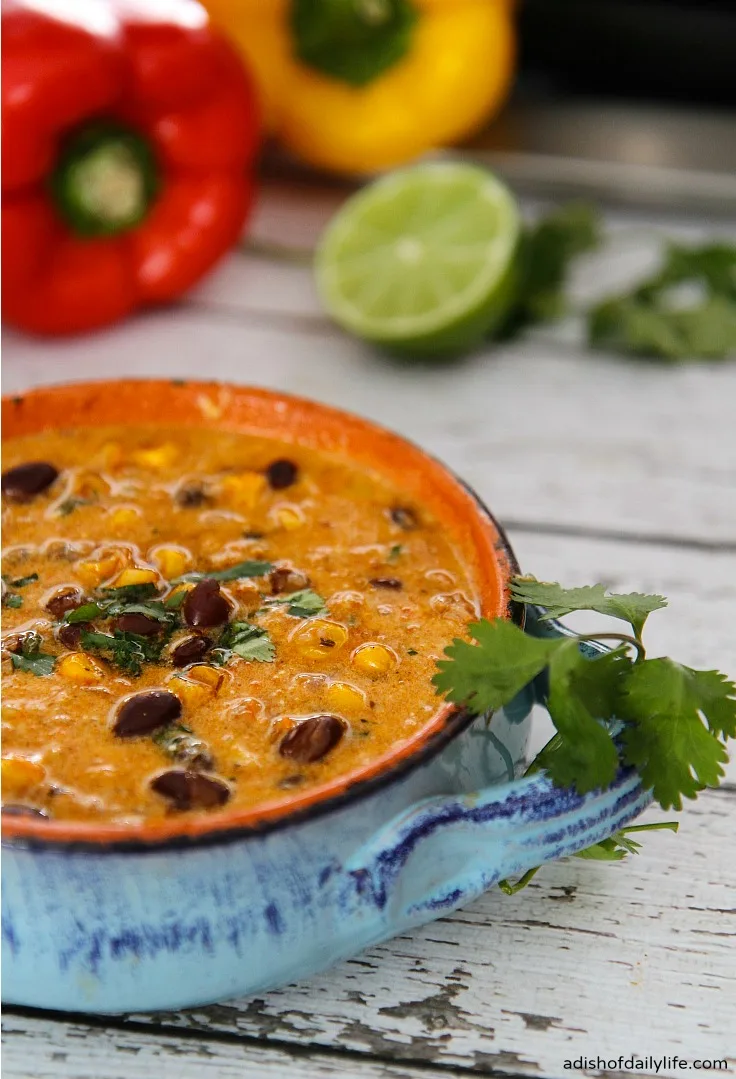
(601, 469)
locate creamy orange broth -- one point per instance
(150, 504)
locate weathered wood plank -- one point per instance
(45, 1048)
(546, 434)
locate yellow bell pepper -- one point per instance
(361, 85)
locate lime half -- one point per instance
(423, 260)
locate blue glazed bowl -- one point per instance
(126, 923)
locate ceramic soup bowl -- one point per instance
(196, 909)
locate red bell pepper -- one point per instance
(129, 129)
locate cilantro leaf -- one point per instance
(128, 651)
(302, 604)
(131, 593)
(245, 640)
(232, 573)
(632, 607)
(547, 249)
(175, 600)
(12, 599)
(21, 582)
(394, 553)
(488, 674)
(652, 319)
(617, 846)
(86, 613)
(666, 739)
(31, 658)
(582, 692)
(69, 505)
(663, 686)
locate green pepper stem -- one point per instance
(105, 180)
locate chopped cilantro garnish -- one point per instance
(31, 658)
(69, 505)
(232, 573)
(86, 613)
(21, 582)
(131, 593)
(175, 600)
(12, 599)
(245, 640)
(128, 651)
(394, 552)
(302, 604)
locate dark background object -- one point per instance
(676, 49)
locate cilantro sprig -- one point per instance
(616, 709)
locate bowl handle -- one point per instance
(445, 851)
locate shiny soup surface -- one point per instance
(193, 620)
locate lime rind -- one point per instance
(423, 258)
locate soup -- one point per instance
(196, 619)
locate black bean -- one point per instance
(137, 623)
(70, 634)
(191, 790)
(312, 739)
(12, 810)
(190, 497)
(404, 517)
(205, 605)
(24, 482)
(146, 712)
(67, 599)
(190, 650)
(283, 579)
(281, 473)
(386, 582)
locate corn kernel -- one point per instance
(243, 490)
(157, 457)
(208, 676)
(345, 698)
(171, 561)
(111, 455)
(90, 485)
(191, 694)
(20, 776)
(80, 668)
(373, 659)
(289, 517)
(93, 572)
(319, 638)
(124, 516)
(197, 686)
(136, 575)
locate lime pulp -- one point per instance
(422, 261)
